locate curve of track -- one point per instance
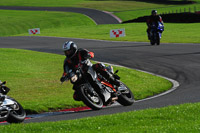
(98, 16)
(176, 61)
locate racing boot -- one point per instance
(111, 78)
(76, 97)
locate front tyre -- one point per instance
(126, 98)
(17, 114)
(91, 100)
(158, 39)
(152, 42)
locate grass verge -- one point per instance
(133, 14)
(126, 10)
(136, 32)
(17, 22)
(106, 5)
(180, 118)
(62, 24)
(34, 80)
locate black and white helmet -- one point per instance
(70, 49)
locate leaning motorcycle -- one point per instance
(93, 97)
(10, 110)
(156, 33)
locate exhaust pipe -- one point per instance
(114, 99)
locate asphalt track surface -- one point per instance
(99, 17)
(176, 61)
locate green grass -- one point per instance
(136, 32)
(108, 5)
(126, 10)
(16, 22)
(177, 119)
(40, 3)
(117, 6)
(62, 24)
(133, 14)
(34, 80)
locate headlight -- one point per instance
(74, 78)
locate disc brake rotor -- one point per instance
(95, 99)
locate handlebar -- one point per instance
(2, 83)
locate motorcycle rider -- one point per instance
(154, 18)
(75, 57)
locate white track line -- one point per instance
(174, 82)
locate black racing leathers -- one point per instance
(73, 63)
(153, 20)
(80, 56)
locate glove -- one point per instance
(62, 79)
(84, 62)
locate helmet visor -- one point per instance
(68, 52)
(154, 13)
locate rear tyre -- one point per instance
(126, 98)
(18, 114)
(93, 101)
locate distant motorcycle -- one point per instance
(91, 96)
(10, 110)
(156, 33)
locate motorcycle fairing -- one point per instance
(7, 102)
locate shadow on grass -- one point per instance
(167, 2)
(172, 18)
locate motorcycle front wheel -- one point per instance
(17, 114)
(93, 101)
(157, 39)
(126, 98)
(152, 42)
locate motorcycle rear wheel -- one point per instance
(16, 115)
(93, 101)
(126, 98)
